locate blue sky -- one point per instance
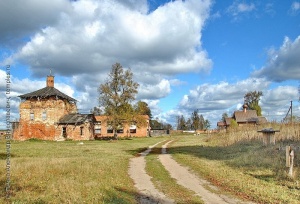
(186, 55)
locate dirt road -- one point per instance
(149, 194)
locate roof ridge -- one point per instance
(47, 92)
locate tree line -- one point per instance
(195, 122)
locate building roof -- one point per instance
(76, 118)
(228, 121)
(262, 119)
(47, 92)
(221, 124)
(245, 116)
(106, 117)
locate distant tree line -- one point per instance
(195, 122)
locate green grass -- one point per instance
(97, 171)
(70, 172)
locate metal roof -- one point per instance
(248, 116)
(45, 93)
(76, 118)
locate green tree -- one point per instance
(142, 108)
(252, 101)
(195, 120)
(181, 123)
(206, 124)
(224, 116)
(188, 124)
(116, 95)
(96, 111)
(201, 123)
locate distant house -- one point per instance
(102, 128)
(243, 117)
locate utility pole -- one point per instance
(291, 111)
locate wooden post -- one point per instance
(268, 136)
(287, 156)
(292, 154)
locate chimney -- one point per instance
(50, 81)
(245, 108)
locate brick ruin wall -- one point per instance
(46, 114)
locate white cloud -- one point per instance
(212, 100)
(240, 7)
(276, 102)
(160, 90)
(283, 64)
(17, 21)
(208, 97)
(295, 6)
(294, 9)
(92, 35)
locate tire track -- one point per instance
(190, 181)
(148, 193)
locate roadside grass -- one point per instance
(245, 168)
(165, 183)
(71, 171)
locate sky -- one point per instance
(186, 55)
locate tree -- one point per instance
(116, 95)
(195, 120)
(142, 108)
(188, 124)
(206, 124)
(155, 124)
(181, 124)
(252, 99)
(224, 116)
(96, 111)
(201, 126)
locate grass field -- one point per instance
(97, 171)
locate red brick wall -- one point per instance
(39, 127)
(73, 132)
(140, 131)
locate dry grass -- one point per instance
(70, 172)
(238, 162)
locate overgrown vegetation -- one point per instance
(238, 162)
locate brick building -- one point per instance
(49, 114)
(103, 129)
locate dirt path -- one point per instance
(150, 195)
(190, 181)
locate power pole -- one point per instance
(291, 111)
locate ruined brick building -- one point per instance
(49, 114)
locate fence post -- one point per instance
(287, 156)
(292, 155)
